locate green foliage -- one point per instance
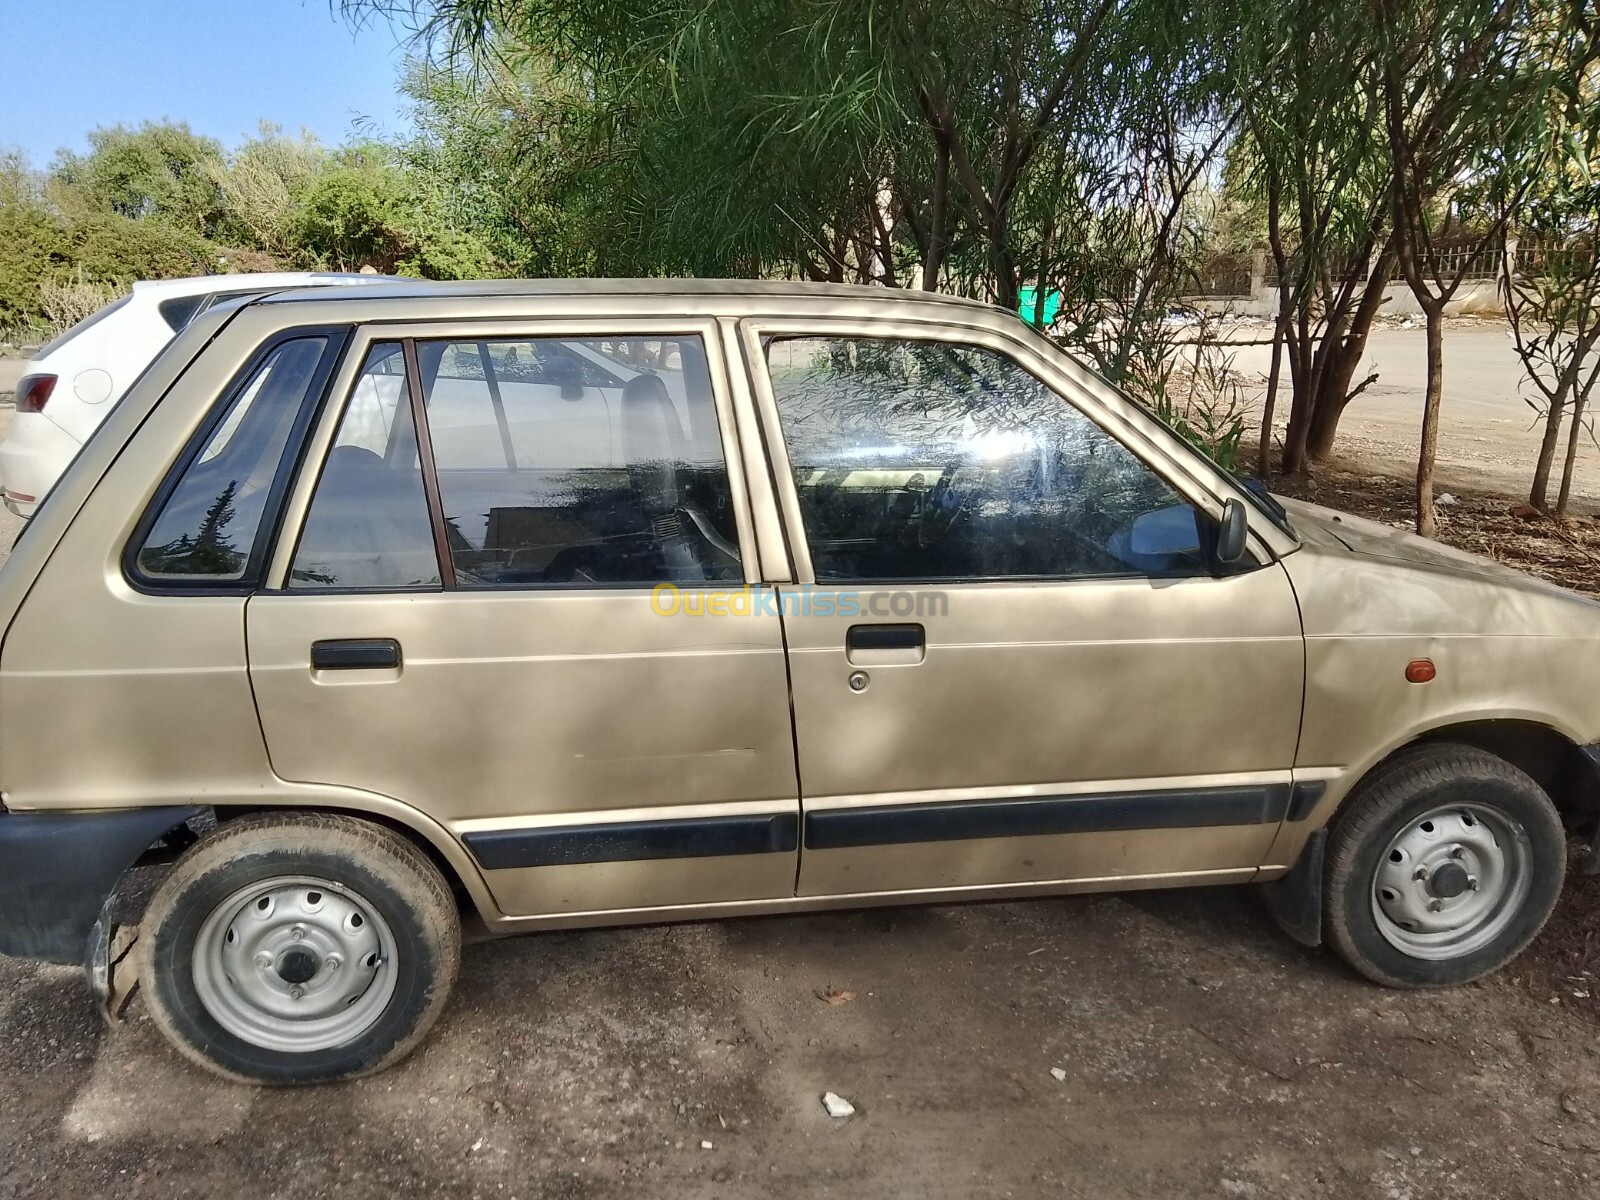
(363, 213)
(160, 202)
(501, 157)
(160, 170)
(262, 184)
(350, 217)
(110, 248)
(30, 239)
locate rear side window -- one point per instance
(207, 526)
(540, 462)
(369, 525)
(82, 327)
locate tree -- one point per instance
(1550, 260)
(1552, 301)
(1463, 97)
(262, 183)
(159, 170)
(1311, 153)
(361, 212)
(31, 239)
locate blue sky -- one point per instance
(220, 65)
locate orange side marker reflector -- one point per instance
(1420, 670)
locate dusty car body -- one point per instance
(586, 603)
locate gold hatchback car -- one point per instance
(541, 605)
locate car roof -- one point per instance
(241, 281)
(412, 289)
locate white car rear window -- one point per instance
(82, 326)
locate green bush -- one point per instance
(32, 242)
(107, 248)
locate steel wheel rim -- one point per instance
(297, 964)
(1451, 881)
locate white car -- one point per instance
(72, 383)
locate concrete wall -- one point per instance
(1476, 297)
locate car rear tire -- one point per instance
(1442, 869)
(299, 948)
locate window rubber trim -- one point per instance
(430, 470)
(337, 338)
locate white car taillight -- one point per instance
(33, 391)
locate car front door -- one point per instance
(466, 621)
(1010, 658)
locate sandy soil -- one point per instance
(1489, 434)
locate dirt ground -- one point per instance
(1201, 1054)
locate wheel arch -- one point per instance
(440, 847)
(1568, 772)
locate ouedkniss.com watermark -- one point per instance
(669, 600)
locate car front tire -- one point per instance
(1443, 867)
(291, 948)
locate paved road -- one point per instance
(10, 372)
(1489, 436)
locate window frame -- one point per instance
(1123, 422)
(408, 334)
(337, 339)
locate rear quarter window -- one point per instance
(209, 517)
(82, 327)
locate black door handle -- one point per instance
(886, 637)
(356, 654)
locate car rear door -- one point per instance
(1007, 666)
(464, 618)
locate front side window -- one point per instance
(558, 461)
(208, 526)
(933, 460)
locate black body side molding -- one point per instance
(631, 841)
(958, 820)
(1303, 798)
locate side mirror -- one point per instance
(1165, 533)
(1233, 532)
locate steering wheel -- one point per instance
(941, 506)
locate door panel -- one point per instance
(523, 711)
(1170, 710)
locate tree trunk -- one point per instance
(1007, 285)
(1324, 372)
(1579, 403)
(1539, 493)
(1426, 518)
(1295, 436)
(934, 262)
(1264, 450)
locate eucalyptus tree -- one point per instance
(925, 142)
(1552, 299)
